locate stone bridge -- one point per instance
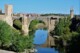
(45, 19)
(48, 20)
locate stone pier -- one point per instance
(25, 25)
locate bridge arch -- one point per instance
(37, 23)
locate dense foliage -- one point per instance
(62, 28)
(5, 34)
(68, 31)
(11, 39)
(21, 42)
(33, 24)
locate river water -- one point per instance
(39, 39)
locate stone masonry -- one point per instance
(8, 14)
(50, 22)
(24, 25)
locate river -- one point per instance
(39, 39)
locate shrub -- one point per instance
(5, 34)
(12, 39)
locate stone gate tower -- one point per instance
(8, 14)
(71, 12)
(25, 25)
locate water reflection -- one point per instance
(72, 46)
(39, 39)
(40, 36)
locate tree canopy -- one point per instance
(62, 28)
(12, 39)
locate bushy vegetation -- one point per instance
(62, 29)
(5, 34)
(68, 31)
(33, 24)
(11, 39)
(21, 42)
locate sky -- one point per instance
(42, 6)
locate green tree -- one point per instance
(78, 29)
(21, 43)
(71, 38)
(59, 27)
(66, 31)
(62, 28)
(5, 34)
(12, 39)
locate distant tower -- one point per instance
(8, 14)
(25, 25)
(71, 13)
